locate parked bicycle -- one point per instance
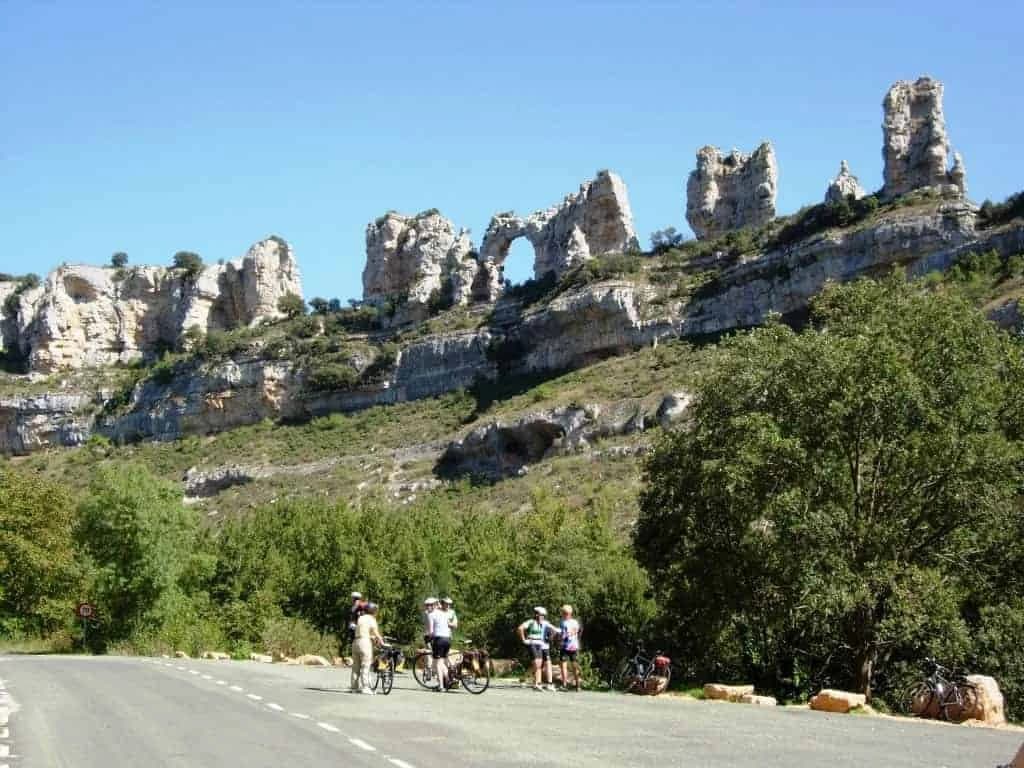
(389, 657)
(634, 671)
(470, 668)
(941, 694)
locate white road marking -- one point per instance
(4, 733)
(254, 697)
(5, 751)
(180, 669)
(4, 712)
(363, 745)
(207, 677)
(237, 688)
(222, 682)
(399, 763)
(275, 707)
(300, 716)
(168, 664)
(329, 727)
(193, 672)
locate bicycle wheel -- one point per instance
(386, 677)
(624, 677)
(423, 670)
(920, 701)
(476, 678)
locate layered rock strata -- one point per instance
(92, 316)
(730, 192)
(916, 147)
(414, 260)
(595, 221)
(843, 186)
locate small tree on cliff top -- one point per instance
(834, 486)
(291, 306)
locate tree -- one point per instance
(664, 239)
(291, 306)
(191, 263)
(140, 538)
(119, 260)
(817, 518)
(37, 557)
(319, 306)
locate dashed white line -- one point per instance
(5, 733)
(237, 688)
(399, 763)
(180, 669)
(275, 707)
(193, 672)
(254, 697)
(363, 745)
(4, 712)
(329, 727)
(222, 682)
(300, 716)
(166, 664)
(5, 751)
(207, 677)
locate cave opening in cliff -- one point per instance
(518, 266)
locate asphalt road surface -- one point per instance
(109, 712)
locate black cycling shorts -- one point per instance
(536, 652)
(439, 647)
(565, 655)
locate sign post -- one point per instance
(85, 611)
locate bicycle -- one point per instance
(388, 657)
(941, 694)
(470, 668)
(634, 671)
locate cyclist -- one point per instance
(367, 634)
(356, 610)
(440, 644)
(536, 635)
(569, 631)
(448, 606)
(429, 605)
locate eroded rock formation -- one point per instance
(916, 148)
(844, 185)
(729, 192)
(414, 259)
(595, 221)
(90, 316)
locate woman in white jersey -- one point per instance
(570, 631)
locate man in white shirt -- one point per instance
(366, 635)
(440, 644)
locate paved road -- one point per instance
(109, 712)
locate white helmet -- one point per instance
(541, 610)
(357, 596)
(447, 601)
(430, 601)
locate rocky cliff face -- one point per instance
(729, 192)
(92, 316)
(595, 221)
(916, 146)
(411, 259)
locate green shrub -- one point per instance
(332, 376)
(119, 260)
(190, 263)
(994, 214)
(289, 636)
(818, 218)
(291, 305)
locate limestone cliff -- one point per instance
(729, 192)
(92, 316)
(916, 149)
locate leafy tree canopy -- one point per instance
(813, 523)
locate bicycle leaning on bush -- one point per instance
(941, 694)
(634, 671)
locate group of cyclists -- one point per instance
(537, 634)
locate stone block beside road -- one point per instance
(722, 692)
(842, 702)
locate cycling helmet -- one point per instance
(357, 595)
(447, 601)
(371, 607)
(430, 601)
(541, 610)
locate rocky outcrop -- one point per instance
(916, 147)
(414, 260)
(32, 422)
(722, 692)
(987, 706)
(729, 192)
(843, 186)
(92, 316)
(595, 221)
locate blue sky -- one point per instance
(150, 129)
